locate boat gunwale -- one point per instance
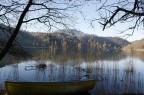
(79, 81)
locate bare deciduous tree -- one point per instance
(51, 13)
(112, 12)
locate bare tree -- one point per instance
(112, 12)
(51, 13)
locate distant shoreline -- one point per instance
(133, 49)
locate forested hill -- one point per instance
(65, 39)
(136, 45)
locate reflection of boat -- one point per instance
(49, 88)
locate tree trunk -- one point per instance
(16, 31)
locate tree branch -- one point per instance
(16, 31)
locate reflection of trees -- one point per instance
(78, 57)
(129, 76)
(40, 74)
(40, 69)
(137, 54)
(111, 76)
(118, 81)
(14, 72)
(63, 57)
(10, 59)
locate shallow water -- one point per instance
(115, 72)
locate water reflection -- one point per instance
(63, 57)
(115, 73)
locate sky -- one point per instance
(114, 31)
(85, 26)
(89, 12)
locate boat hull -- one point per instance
(48, 88)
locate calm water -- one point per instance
(115, 72)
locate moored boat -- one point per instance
(49, 88)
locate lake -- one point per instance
(117, 72)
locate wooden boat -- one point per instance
(49, 88)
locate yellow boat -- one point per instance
(49, 88)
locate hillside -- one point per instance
(136, 45)
(119, 41)
(65, 40)
(24, 38)
(77, 40)
(72, 32)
